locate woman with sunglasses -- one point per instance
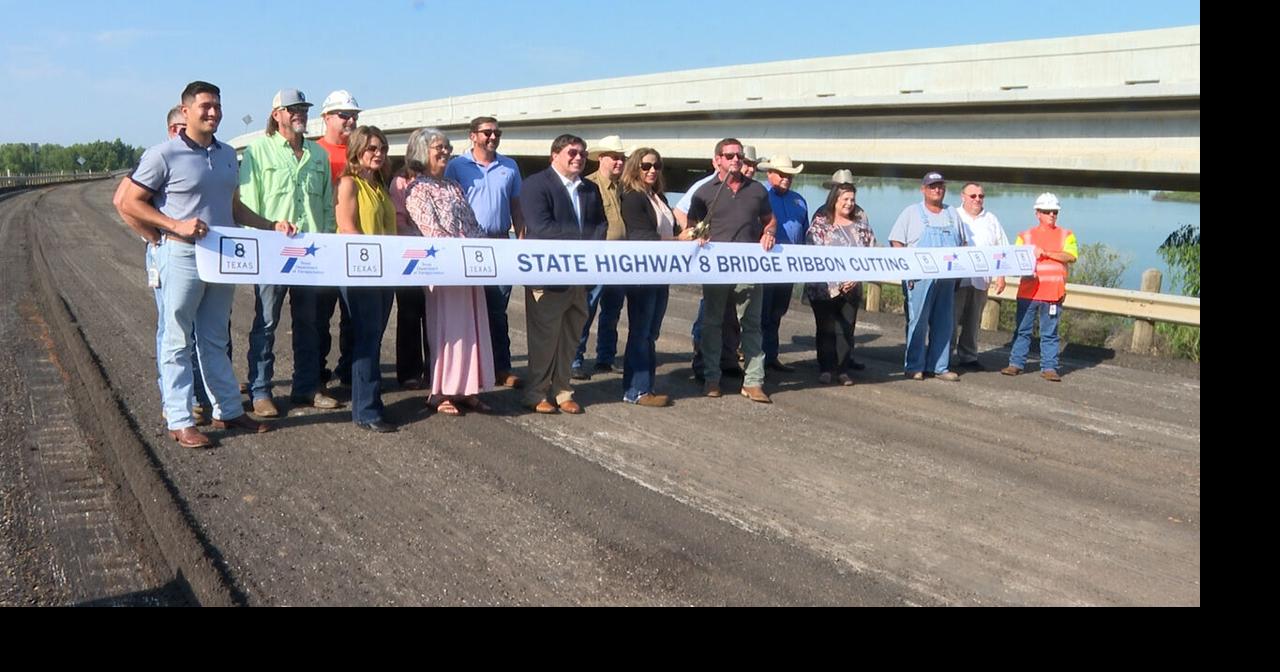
(412, 355)
(841, 222)
(364, 207)
(457, 317)
(648, 217)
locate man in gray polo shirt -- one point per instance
(182, 187)
(736, 210)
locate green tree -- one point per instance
(1181, 251)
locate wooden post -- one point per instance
(872, 296)
(991, 315)
(1144, 331)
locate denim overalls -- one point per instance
(931, 303)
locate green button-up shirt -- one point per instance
(278, 185)
(611, 192)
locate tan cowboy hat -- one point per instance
(782, 164)
(842, 176)
(609, 144)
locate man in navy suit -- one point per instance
(558, 205)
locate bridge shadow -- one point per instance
(175, 593)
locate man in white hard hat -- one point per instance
(1040, 296)
(341, 115)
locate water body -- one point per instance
(1128, 221)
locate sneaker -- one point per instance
(1051, 375)
(1010, 370)
(652, 400)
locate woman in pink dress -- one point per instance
(457, 318)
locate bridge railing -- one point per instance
(11, 182)
(1146, 307)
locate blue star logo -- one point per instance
(311, 251)
(431, 251)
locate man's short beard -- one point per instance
(299, 128)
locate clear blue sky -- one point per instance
(82, 70)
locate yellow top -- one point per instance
(376, 212)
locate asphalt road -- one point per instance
(892, 492)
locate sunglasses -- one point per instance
(574, 152)
(347, 116)
(376, 149)
(645, 166)
(297, 109)
(490, 132)
(977, 197)
(1048, 212)
(730, 156)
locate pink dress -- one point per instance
(457, 317)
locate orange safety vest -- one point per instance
(1050, 281)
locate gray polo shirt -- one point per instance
(188, 180)
(734, 217)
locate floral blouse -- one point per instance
(439, 209)
(824, 231)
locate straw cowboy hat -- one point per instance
(781, 163)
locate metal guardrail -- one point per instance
(1146, 307)
(24, 181)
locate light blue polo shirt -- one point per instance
(489, 189)
(188, 180)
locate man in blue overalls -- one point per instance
(929, 303)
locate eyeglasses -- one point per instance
(347, 116)
(645, 166)
(976, 197)
(574, 152)
(730, 156)
(490, 132)
(441, 148)
(1047, 212)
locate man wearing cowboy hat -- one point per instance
(731, 331)
(607, 298)
(792, 213)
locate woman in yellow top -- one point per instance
(364, 207)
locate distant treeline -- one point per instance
(27, 159)
(1177, 196)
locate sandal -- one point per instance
(473, 403)
(447, 407)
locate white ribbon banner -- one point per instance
(250, 256)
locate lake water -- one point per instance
(1128, 221)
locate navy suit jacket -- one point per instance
(548, 212)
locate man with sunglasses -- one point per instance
(608, 299)
(284, 176)
(1040, 296)
(930, 303)
(736, 210)
(981, 228)
(731, 331)
(558, 205)
(341, 115)
(491, 183)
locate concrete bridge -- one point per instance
(1118, 109)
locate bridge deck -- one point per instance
(989, 491)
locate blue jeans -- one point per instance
(747, 299)
(369, 307)
(931, 316)
(326, 300)
(268, 300)
(608, 298)
(1028, 311)
(646, 306)
(496, 298)
(777, 298)
(194, 309)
